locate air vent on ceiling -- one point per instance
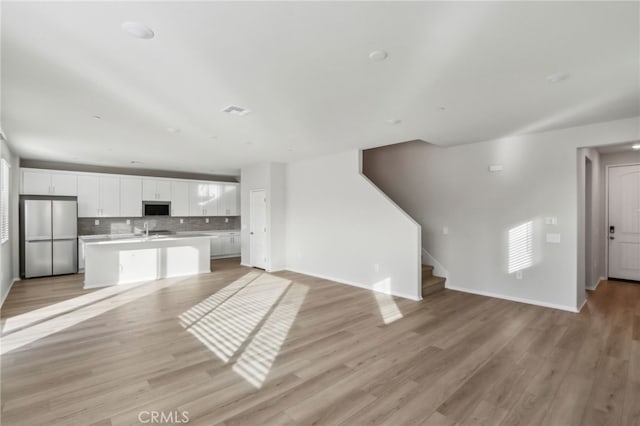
(236, 110)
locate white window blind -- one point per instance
(4, 201)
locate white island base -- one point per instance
(114, 262)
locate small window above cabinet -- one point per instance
(156, 190)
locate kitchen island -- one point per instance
(119, 261)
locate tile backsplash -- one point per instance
(118, 225)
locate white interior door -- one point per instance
(258, 228)
(624, 222)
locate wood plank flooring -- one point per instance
(242, 347)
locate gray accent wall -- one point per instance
(466, 212)
(118, 225)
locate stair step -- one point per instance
(427, 271)
(432, 284)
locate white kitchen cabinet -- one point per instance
(225, 245)
(130, 197)
(98, 196)
(179, 198)
(42, 182)
(203, 198)
(156, 190)
(228, 203)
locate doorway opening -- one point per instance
(608, 192)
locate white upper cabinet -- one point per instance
(108, 195)
(98, 196)
(179, 198)
(228, 204)
(131, 197)
(203, 198)
(44, 182)
(88, 196)
(156, 189)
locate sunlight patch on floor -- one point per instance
(198, 311)
(225, 328)
(255, 362)
(249, 319)
(38, 331)
(23, 320)
(388, 308)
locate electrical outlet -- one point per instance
(206, 220)
(96, 222)
(128, 221)
(226, 220)
(518, 275)
(181, 220)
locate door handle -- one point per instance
(612, 238)
(251, 233)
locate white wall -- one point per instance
(591, 264)
(341, 227)
(271, 178)
(9, 262)
(452, 187)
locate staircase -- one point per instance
(431, 283)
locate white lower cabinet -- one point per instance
(225, 244)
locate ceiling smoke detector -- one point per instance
(236, 110)
(558, 78)
(137, 30)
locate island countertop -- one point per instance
(137, 239)
(111, 261)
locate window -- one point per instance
(4, 201)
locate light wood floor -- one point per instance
(239, 346)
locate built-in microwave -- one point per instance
(154, 208)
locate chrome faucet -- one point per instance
(146, 230)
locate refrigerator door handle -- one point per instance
(64, 238)
(38, 239)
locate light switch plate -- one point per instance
(496, 168)
(550, 220)
(553, 238)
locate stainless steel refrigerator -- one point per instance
(49, 237)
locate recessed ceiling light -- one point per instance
(636, 146)
(378, 55)
(236, 110)
(442, 108)
(173, 130)
(137, 30)
(557, 78)
(393, 121)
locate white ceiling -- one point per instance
(302, 68)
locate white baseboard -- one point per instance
(595, 286)
(514, 299)
(4, 296)
(352, 283)
(583, 303)
(438, 268)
